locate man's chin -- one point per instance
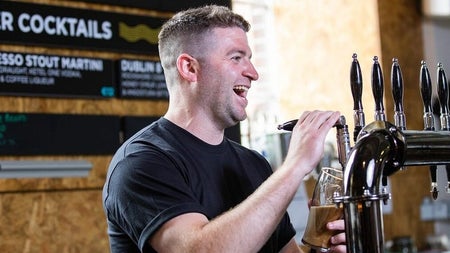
(241, 118)
(233, 122)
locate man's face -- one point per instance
(225, 75)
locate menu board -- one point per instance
(141, 79)
(55, 75)
(164, 5)
(58, 26)
(58, 134)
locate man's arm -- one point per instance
(291, 247)
(247, 227)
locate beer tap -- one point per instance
(443, 93)
(426, 91)
(356, 85)
(443, 97)
(397, 94)
(342, 137)
(343, 140)
(428, 118)
(377, 90)
(382, 149)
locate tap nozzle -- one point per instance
(343, 140)
(434, 191)
(447, 170)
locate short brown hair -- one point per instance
(186, 27)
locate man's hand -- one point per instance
(338, 240)
(308, 138)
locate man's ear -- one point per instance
(187, 67)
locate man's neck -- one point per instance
(205, 130)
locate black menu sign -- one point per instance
(141, 79)
(58, 134)
(164, 5)
(58, 26)
(54, 75)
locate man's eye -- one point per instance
(236, 58)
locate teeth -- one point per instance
(240, 88)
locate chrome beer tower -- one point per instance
(382, 148)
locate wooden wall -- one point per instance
(401, 37)
(64, 214)
(317, 39)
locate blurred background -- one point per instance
(55, 144)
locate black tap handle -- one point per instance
(442, 90)
(288, 126)
(356, 85)
(426, 91)
(425, 88)
(443, 93)
(397, 94)
(397, 85)
(377, 89)
(428, 118)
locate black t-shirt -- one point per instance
(164, 171)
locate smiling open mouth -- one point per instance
(240, 90)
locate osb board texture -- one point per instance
(401, 38)
(317, 40)
(64, 214)
(120, 107)
(53, 222)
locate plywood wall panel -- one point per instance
(401, 37)
(64, 105)
(66, 221)
(64, 214)
(317, 40)
(119, 107)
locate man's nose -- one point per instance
(251, 72)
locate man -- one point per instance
(179, 185)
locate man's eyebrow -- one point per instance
(242, 52)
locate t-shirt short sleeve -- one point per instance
(153, 190)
